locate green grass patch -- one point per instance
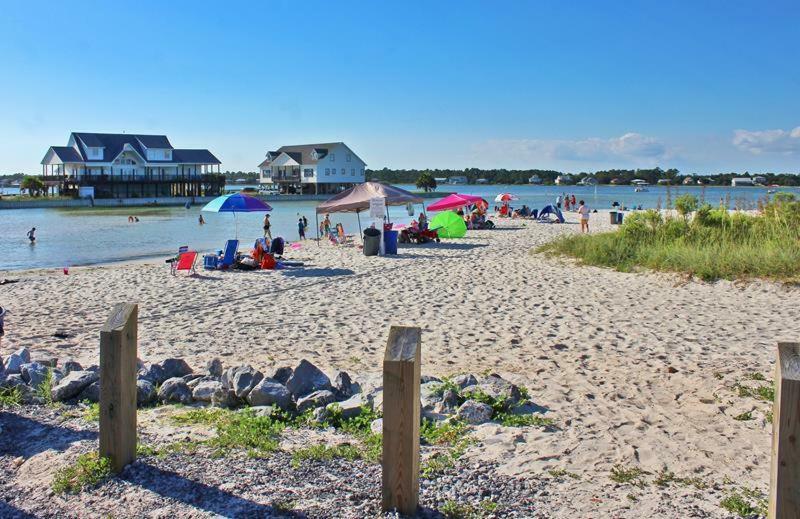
(258, 435)
(87, 471)
(745, 502)
(747, 415)
(523, 420)
(628, 476)
(713, 245)
(10, 397)
(451, 435)
(92, 412)
(666, 477)
(45, 389)
(560, 473)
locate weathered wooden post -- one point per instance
(401, 419)
(118, 340)
(784, 487)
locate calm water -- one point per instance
(87, 236)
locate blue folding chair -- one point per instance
(231, 246)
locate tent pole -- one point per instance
(316, 220)
(360, 232)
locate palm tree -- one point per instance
(33, 185)
(426, 181)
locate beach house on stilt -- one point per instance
(121, 165)
(312, 168)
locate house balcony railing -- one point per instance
(87, 180)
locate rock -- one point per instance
(670, 370)
(343, 385)
(50, 363)
(70, 365)
(263, 411)
(28, 395)
(229, 374)
(428, 394)
(153, 373)
(204, 391)
(316, 399)
(245, 380)
(34, 373)
(193, 383)
(214, 367)
(376, 426)
(425, 379)
(474, 413)
(175, 390)
(175, 368)
(13, 380)
(306, 379)
(191, 376)
(283, 374)
(270, 392)
(225, 399)
(15, 361)
(145, 392)
(90, 392)
(352, 406)
(376, 399)
(449, 399)
(321, 414)
(497, 388)
(72, 385)
(463, 381)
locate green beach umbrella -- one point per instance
(449, 225)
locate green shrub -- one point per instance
(686, 204)
(10, 396)
(87, 471)
(714, 245)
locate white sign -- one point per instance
(377, 208)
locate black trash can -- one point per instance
(372, 242)
(613, 217)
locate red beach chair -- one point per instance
(186, 261)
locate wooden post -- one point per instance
(401, 419)
(784, 488)
(118, 339)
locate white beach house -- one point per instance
(120, 165)
(312, 168)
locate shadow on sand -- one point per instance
(317, 272)
(8, 511)
(25, 437)
(206, 497)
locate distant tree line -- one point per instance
(521, 176)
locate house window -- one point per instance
(266, 173)
(343, 172)
(166, 154)
(327, 171)
(333, 157)
(348, 157)
(362, 172)
(308, 172)
(353, 172)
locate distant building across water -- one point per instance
(119, 165)
(312, 168)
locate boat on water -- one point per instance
(640, 189)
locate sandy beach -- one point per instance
(636, 369)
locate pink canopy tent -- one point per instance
(454, 201)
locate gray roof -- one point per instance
(304, 151)
(155, 141)
(113, 144)
(67, 154)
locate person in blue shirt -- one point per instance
(301, 229)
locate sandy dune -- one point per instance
(635, 368)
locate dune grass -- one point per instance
(713, 244)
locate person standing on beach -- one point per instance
(301, 229)
(583, 213)
(566, 202)
(267, 226)
(32, 235)
(573, 200)
(327, 225)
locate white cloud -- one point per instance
(630, 147)
(768, 141)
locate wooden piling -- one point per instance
(118, 342)
(784, 488)
(401, 420)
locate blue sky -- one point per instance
(575, 86)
